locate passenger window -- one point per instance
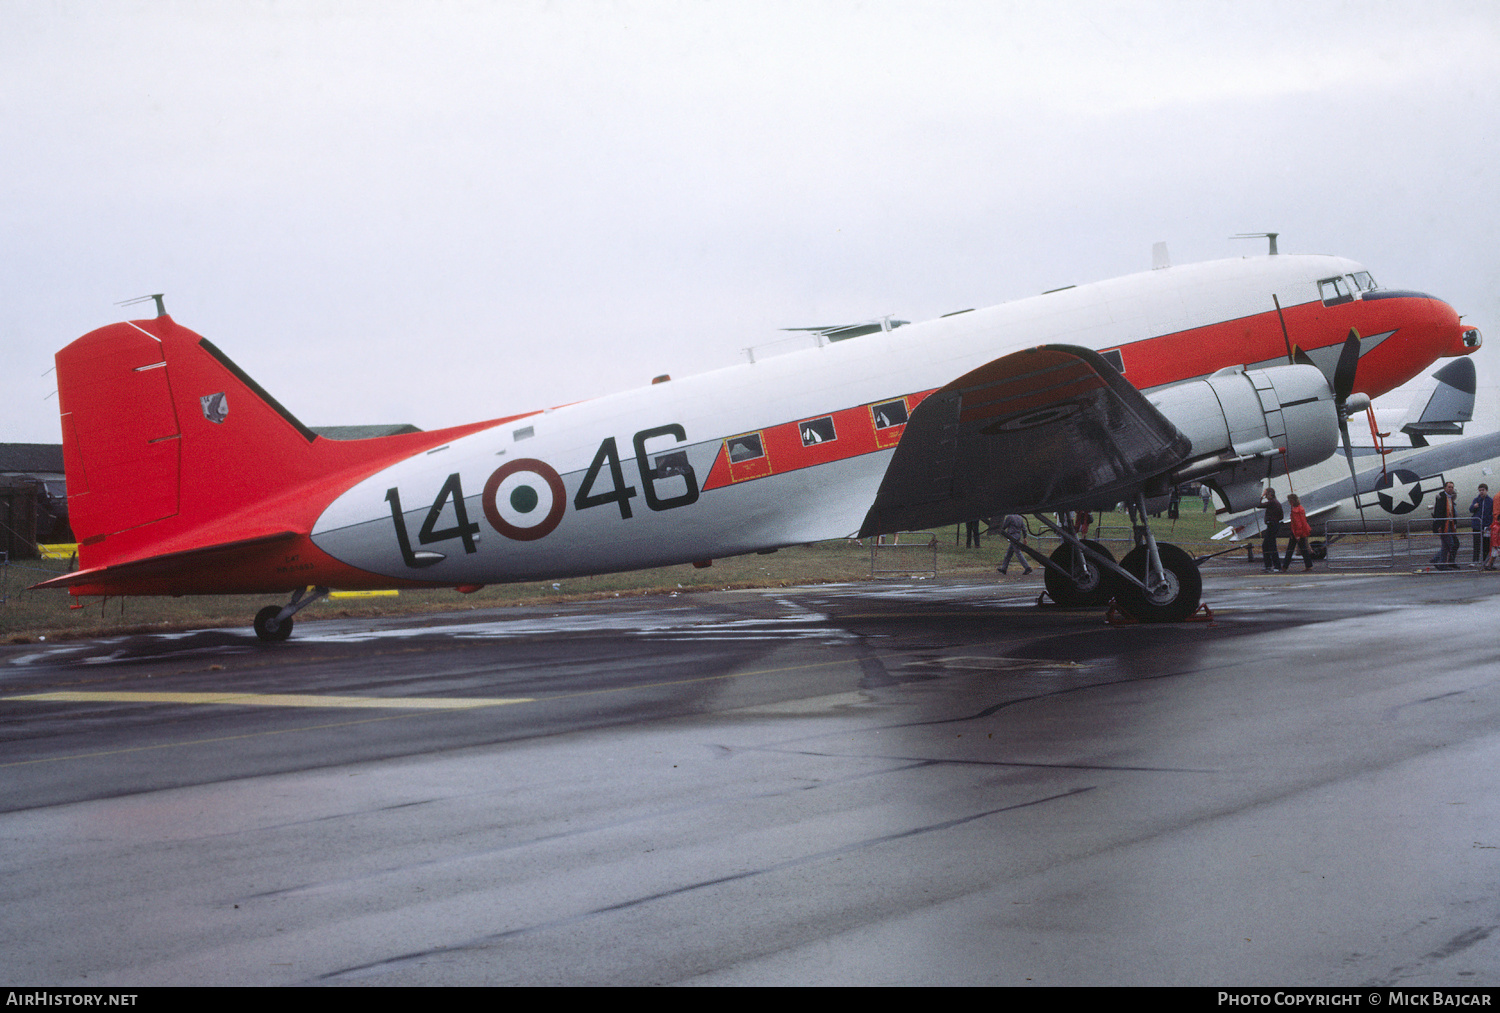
(817, 431)
(1362, 281)
(890, 414)
(1334, 291)
(745, 448)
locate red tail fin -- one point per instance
(170, 449)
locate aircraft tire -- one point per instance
(1183, 593)
(1066, 592)
(263, 628)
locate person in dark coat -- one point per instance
(1274, 517)
(1482, 510)
(1445, 526)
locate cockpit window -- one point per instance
(1334, 291)
(1362, 281)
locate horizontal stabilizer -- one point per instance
(1450, 404)
(166, 567)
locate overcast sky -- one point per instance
(441, 212)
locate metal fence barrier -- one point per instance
(909, 552)
(1371, 545)
(1387, 544)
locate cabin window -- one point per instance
(745, 448)
(817, 431)
(890, 414)
(1363, 282)
(1334, 291)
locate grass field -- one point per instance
(26, 616)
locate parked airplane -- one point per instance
(185, 477)
(1395, 443)
(1401, 490)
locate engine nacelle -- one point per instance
(1247, 425)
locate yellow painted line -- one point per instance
(449, 703)
(363, 594)
(385, 717)
(430, 703)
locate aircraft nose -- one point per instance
(1457, 337)
(1465, 339)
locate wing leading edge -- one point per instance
(1049, 428)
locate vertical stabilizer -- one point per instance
(171, 448)
(121, 437)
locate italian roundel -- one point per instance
(524, 500)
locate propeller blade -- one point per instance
(1284, 335)
(1349, 456)
(1343, 373)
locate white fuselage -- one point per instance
(459, 532)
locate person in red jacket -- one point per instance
(1300, 532)
(1494, 535)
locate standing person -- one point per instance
(1445, 526)
(1300, 532)
(971, 533)
(1207, 494)
(1083, 520)
(1482, 510)
(1274, 516)
(1494, 534)
(1014, 529)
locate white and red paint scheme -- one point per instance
(184, 477)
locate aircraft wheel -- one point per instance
(263, 629)
(1180, 597)
(1097, 588)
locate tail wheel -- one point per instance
(1176, 600)
(268, 629)
(1091, 585)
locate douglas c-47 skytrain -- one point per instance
(185, 477)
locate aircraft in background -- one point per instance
(1402, 492)
(185, 477)
(1404, 476)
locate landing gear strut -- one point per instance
(1154, 583)
(1160, 582)
(1172, 597)
(1073, 581)
(274, 622)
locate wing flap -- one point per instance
(1049, 428)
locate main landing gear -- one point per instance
(274, 622)
(1075, 582)
(1156, 582)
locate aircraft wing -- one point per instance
(1252, 522)
(1049, 428)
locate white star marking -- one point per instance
(1401, 493)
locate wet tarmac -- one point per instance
(930, 782)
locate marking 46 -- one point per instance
(525, 499)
